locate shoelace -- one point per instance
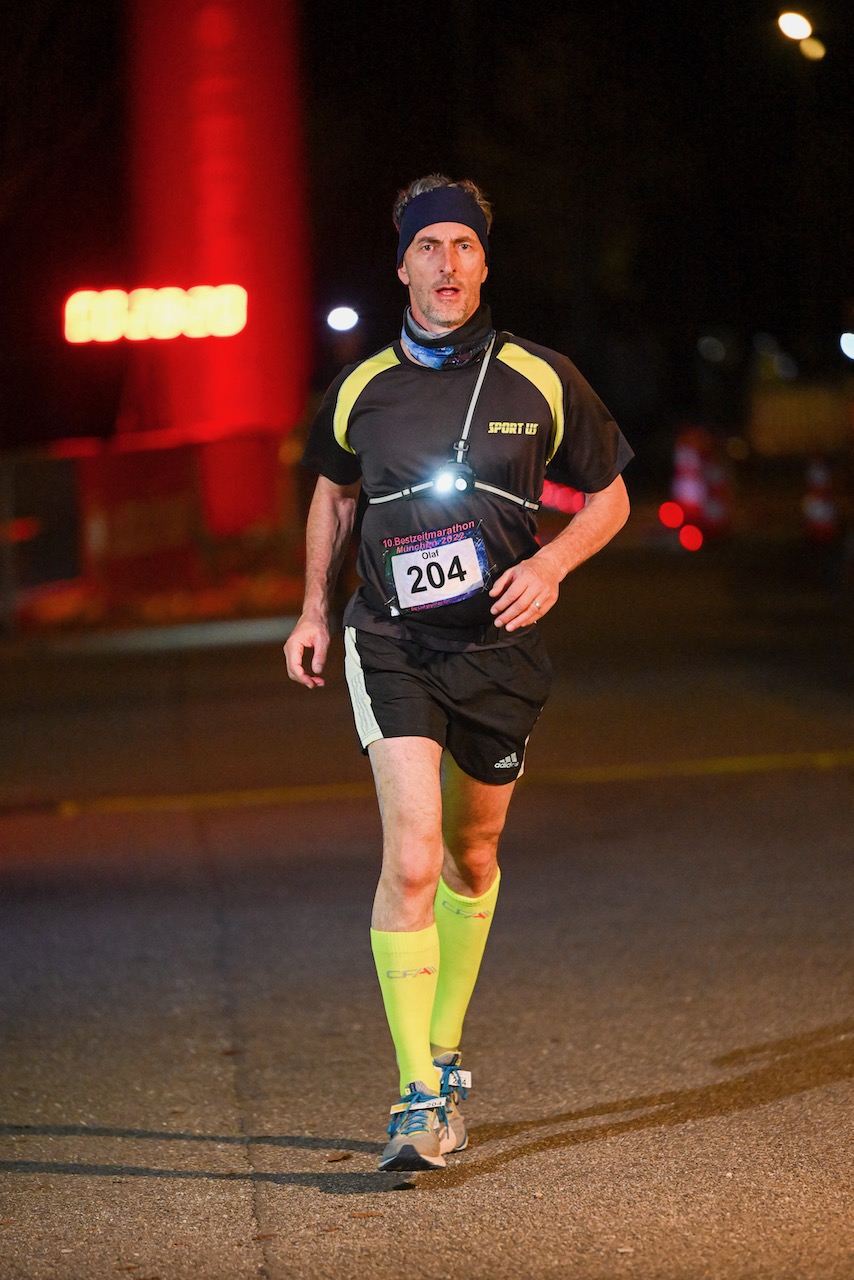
(411, 1120)
(451, 1082)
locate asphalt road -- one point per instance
(195, 1069)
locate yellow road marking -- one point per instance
(572, 775)
(697, 768)
(256, 798)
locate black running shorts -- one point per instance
(481, 705)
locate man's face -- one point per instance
(443, 269)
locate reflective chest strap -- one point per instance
(461, 449)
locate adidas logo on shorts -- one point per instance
(509, 762)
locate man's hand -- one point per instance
(524, 594)
(310, 633)
(330, 522)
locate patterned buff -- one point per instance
(437, 351)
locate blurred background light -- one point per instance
(204, 311)
(690, 537)
(785, 366)
(341, 319)
(795, 26)
(711, 349)
(812, 49)
(846, 342)
(774, 361)
(671, 515)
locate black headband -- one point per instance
(442, 204)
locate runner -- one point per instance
(448, 432)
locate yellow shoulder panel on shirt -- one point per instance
(545, 379)
(353, 386)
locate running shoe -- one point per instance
(454, 1085)
(418, 1132)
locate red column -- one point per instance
(218, 199)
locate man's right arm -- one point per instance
(330, 523)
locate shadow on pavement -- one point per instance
(787, 1068)
(791, 1067)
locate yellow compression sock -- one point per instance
(407, 967)
(463, 926)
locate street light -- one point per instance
(795, 26)
(812, 49)
(342, 319)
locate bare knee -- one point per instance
(412, 872)
(407, 885)
(471, 863)
(474, 817)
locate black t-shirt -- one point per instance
(427, 561)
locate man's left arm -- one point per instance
(524, 593)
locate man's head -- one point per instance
(443, 248)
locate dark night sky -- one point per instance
(655, 169)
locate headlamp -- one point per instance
(454, 477)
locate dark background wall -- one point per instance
(658, 172)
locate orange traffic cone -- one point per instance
(688, 487)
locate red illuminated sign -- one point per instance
(205, 311)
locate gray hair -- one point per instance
(430, 183)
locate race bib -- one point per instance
(438, 569)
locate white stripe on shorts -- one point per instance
(363, 712)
